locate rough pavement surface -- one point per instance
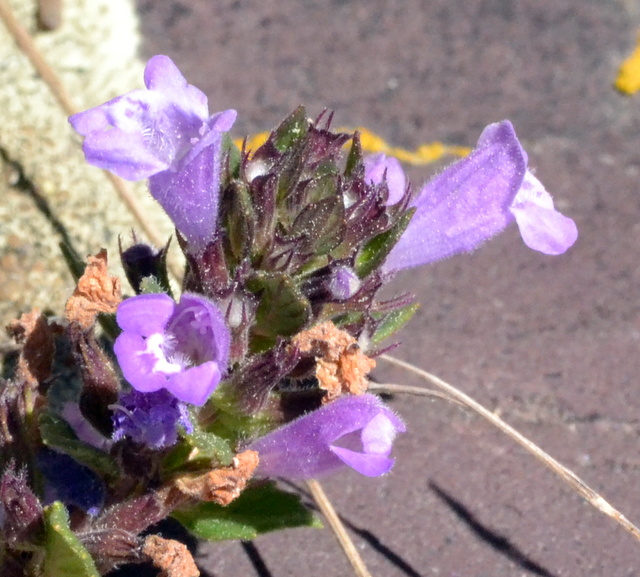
(551, 343)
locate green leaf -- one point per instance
(322, 223)
(258, 510)
(239, 220)
(200, 449)
(58, 434)
(393, 322)
(283, 309)
(64, 554)
(233, 155)
(230, 422)
(292, 130)
(355, 156)
(373, 254)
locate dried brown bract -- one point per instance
(37, 338)
(171, 557)
(97, 292)
(221, 485)
(341, 367)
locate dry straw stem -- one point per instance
(50, 78)
(325, 506)
(569, 477)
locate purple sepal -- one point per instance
(379, 166)
(354, 430)
(475, 199)
(182, 347)
(151, 419)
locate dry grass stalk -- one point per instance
(325, 506)
(50, 78)
(568, 476)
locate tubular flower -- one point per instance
(475, 199)
(182, 347)
(353, 430)
(166, 133)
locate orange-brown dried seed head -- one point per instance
(96, 292)
(221, 485)
(341, 367)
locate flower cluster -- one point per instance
(260, 366)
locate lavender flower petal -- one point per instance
(542, 227)
(164, 132)
(190, 196)
(379, 166)
(475, 199)
(354, 430)
(182, 347)
(145, 316)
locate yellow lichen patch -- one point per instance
(253, 142)
(424, 154)
(371, 142)
(628, 80)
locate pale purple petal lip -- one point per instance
(183, 348)
(312, 445)
(542, 227)
(475, 199)
(369, 465)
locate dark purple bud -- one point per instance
(142, 261)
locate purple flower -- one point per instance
(379, 166)
(166, 133)
(183, 347)
(354, 430)
(475, 199)
(150, 418)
